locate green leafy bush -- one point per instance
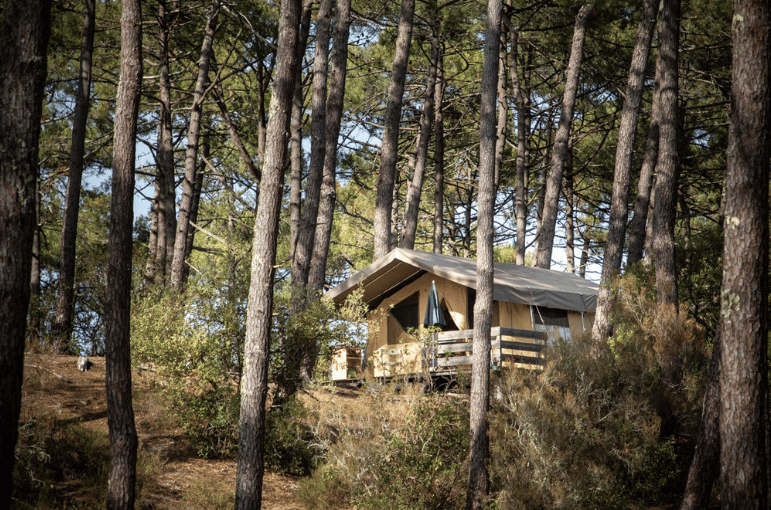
(290, 445)
(592, 429)
(405, 452)
(197, 369)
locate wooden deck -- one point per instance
(454, 348)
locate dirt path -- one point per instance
(185, 481)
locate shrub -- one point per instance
(394, 452)
(290, 446)
(590, 430)
(197, 368)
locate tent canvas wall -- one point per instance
(396, 289)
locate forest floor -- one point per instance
(181, 479)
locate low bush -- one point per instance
(52, 452)
(394, 451)
(603, 427)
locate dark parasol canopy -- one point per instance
(434, 315)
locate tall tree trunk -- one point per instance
(569, 205)
(503, 111)
(196, 203)
(479, 481)
(165, 176)
(665, 188)
(584, 258)
(744, 290)
(296, 133)
(415, 190)
(439, 154)
(627, 132)
(35, 310)
(521, 100)
(254, 383)
(191, 154)
(120, 412)
(559, 153)
(303, 253)
(390, 145)
(642, 203)
(23, 44)
(705, 466)
(65, 303)
(334, 118)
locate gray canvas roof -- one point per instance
(513, 283)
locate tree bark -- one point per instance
(196, 203)
(521, 100)
(637, 227)
(415, 190)
(303, 253)
(559, 153)
(164, 221)
(614, 247)
(120, 412)
(439, 154)
(296, 133)
(503, 113)
(23, 44)
(390, 145)
(570, 237)
(65, 303)
(191, 154)
(744, 290)
(705, 466)
(334, 117)
(479, 481)
(667, 163)
(254, 383)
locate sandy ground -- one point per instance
(54, 383)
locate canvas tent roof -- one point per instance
(513, 283)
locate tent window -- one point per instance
(406, 312)
(551, 320)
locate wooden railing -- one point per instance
(454, 348)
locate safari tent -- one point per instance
(530, 305)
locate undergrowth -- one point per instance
(52, 453)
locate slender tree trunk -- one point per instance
(23, 44)
(637, 227)
(254, 383)
(503, 111)
(196, 203)
(120, 412)
(296, 133)
(35, 311)
(614, 247)
(705, 467)
(301, 260)
(744, 290)
(415, 190)
(569, 205)
(390, 145)
(65, 303)
(165, 177)
(584, 259)
(439, 155)
(191, 155)
(559, 153)
(479, 481)
(523, 131)
(334, 118)
(667, 164)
